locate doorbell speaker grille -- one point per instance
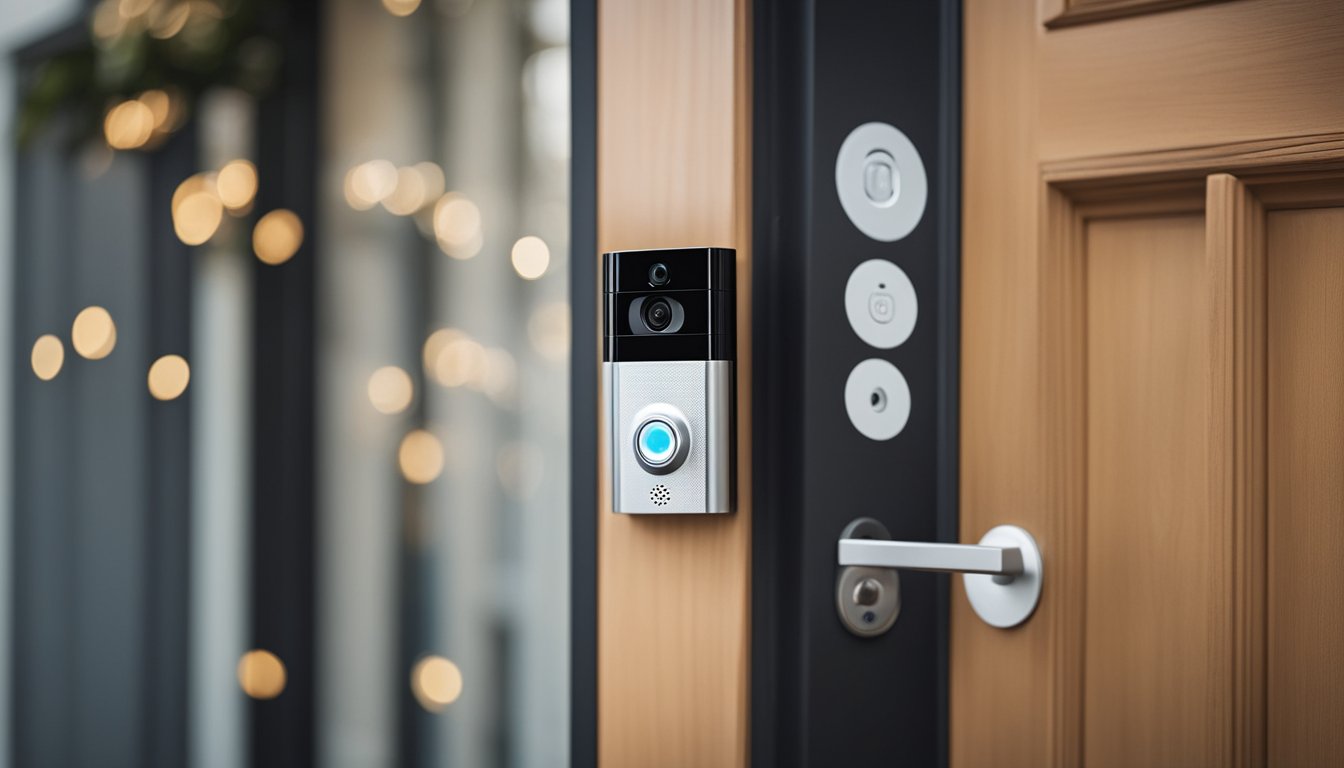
(659, 495)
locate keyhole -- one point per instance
(878, 399)
(867, 592)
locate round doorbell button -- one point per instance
(880, 303)
(656, 442)
(662, 438)
(877, 399)
(880, 179)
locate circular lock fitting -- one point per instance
(877, 399)
(880, 180)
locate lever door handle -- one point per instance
(920, 556)
(1002, 574)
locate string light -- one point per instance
(277, 236)
(436, 682)
(261, 674)
(531, 257)
(459, 362)
(390, 390)
(434, 346)
(401, 7)
(457, 225)
(409, 194)
(93, 334)
(237, 184)
(420, 457)
(128, 125)
(368, 183)
(48, 356)
(168, 377)
(197, 211)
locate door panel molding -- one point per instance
(1066, 13)
(1269, 175)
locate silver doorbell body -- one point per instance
(669, 352)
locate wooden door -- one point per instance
(1153, 380)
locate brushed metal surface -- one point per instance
(703, 392)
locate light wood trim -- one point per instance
(1063, 328)
(1235, 246)
(1213, 75)
(999, 695)
(1067, 13)
(674, 594)
(1245, 159)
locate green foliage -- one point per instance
(183, 47)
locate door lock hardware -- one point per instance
(867, 599)
(1002, 574)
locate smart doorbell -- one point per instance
(669, 352)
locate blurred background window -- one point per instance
(287, 356)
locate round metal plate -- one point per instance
(1010, 604)
(896, 214)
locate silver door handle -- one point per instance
(920, 556)
(1002, 574)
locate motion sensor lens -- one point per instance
(658, 275)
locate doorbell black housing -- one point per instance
(669, 366)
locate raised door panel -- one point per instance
(1154, 607)
(1305, 254)
(1136, 371)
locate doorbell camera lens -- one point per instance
(658, 275)
(658, 314)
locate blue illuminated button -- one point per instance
(656, 442)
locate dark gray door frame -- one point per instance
(821, 696)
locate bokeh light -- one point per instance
(237, 184)
(434, 346)
(409, 194)
(93, 334)
(277, 236)
(197, 214)
(48, 356)
(548, 329)
(457, 225)
(459, 362)
(168, 377)
(401, 7)
(128, 125)
(498, 376)
(420, 457)
(159, 104)
(531, 257)
(436, 682)
(167, 19)
(261, 674)
(432, 176)
(390, 389)
(368, 183)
